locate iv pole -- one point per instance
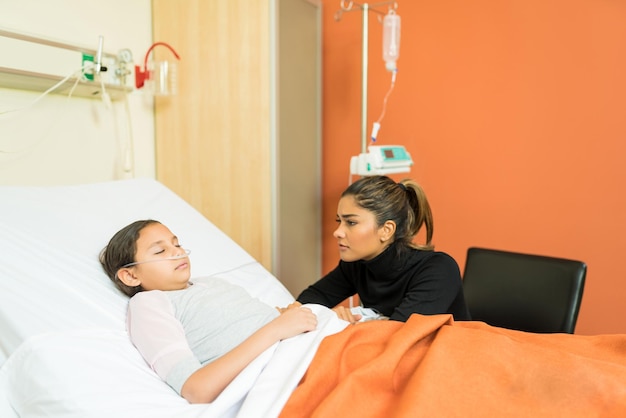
(366, 8)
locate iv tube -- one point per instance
(376, 125)
(391, 40)
(391, 53)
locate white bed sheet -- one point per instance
(98, 373)
(57, 307)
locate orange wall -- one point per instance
(514, 112)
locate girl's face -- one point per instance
(156, 242)
(358, 235)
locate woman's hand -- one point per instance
(346, 314)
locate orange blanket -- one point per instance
(431, 366)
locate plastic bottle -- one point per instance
(391, 40)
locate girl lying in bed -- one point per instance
(197, 336)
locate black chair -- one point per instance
(522, 291)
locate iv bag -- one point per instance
(391, 40)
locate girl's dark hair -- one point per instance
(120, 251)
(405, 203)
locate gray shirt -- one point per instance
(179, 331)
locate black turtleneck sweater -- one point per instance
(397, 283)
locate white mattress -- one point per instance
(62, 321)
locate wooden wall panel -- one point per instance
(213, 138)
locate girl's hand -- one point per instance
(293, 320)
(346, 314)
(206, 383)
(292, 305)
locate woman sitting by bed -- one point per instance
(197, 336)
(378, 222)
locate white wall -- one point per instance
(76, 140)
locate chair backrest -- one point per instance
(522, 291)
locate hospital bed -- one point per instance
(64, 350)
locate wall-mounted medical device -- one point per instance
(53, 66)
(58, 67)
(381, 160)
(159, 77)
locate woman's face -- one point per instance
(358, 235)
(156, 242)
